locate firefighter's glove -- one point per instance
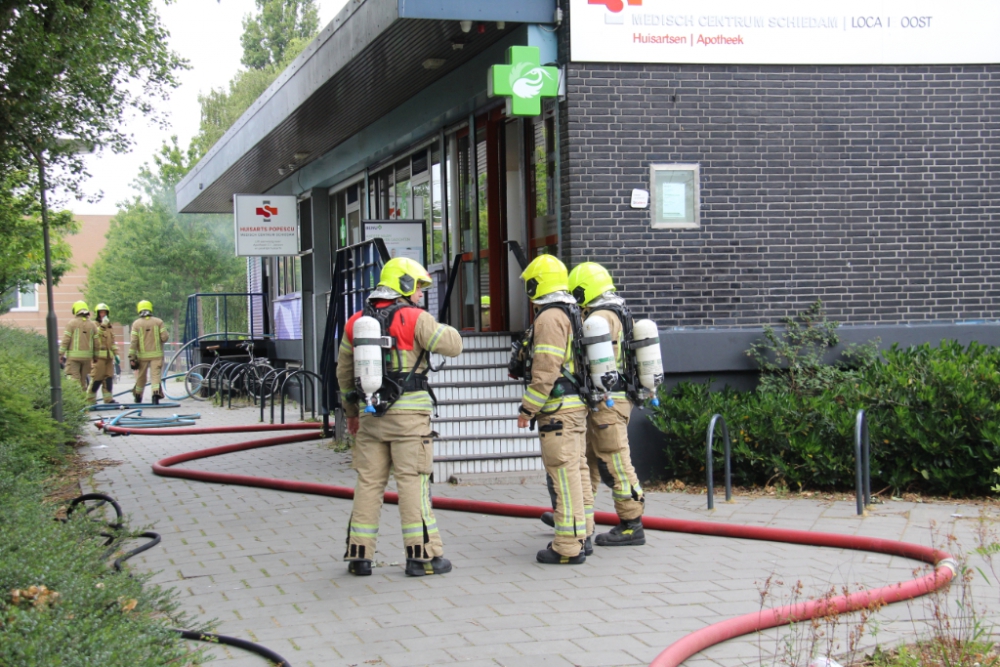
(133, 363)
(524, 418)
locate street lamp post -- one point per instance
(51, 326)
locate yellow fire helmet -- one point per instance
(404, 275)
(588, 281)
(143, 305)
(104, 307)
(544, 275)
(80, 307)
(484, 301)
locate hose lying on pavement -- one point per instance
(676, 653)
(154, 538)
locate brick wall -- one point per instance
(876, 189)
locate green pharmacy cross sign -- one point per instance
(523, 81)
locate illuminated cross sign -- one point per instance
(523, 81)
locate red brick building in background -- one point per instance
(29, 310)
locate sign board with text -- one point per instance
(403, 238)
(786, 32)
(266, 226)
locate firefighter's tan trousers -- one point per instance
(607, 448)
(154, 367)
(564, 452)
(102, 376)
(400, 442)
(78, 369)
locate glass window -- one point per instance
(401, 192)
(544, 219)
(434, 227)
(25, 300)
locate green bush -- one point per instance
(25, 400)
(69, 607)
(98, 617)
(934, 415)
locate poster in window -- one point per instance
(402, 238)
(675, 200)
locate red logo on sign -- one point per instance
(615, 5)
(267, 211)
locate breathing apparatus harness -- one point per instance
(522, 352)
(628, 378)
(395, 383)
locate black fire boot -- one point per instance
(137, 398)
(360, 568)
(156, 398)
(588, 546)
(550, 557)
(549, 519)
(419, 568)
(625, 534)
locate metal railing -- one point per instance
(221, 313)
(445, 308)
(355, 274)
(862, 463)
(709, 473)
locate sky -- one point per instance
(207, 34)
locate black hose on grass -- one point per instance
(155, 539)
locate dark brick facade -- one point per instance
(874, 188)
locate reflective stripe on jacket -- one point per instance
(79, 339)
(148, 336)
(551, 354)
(106, 347)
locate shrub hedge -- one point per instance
(60, 603)
(933, 413)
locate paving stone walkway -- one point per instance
(267, 565)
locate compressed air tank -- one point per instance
(367, 358)
(600, 355)
(646, 343)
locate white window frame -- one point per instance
(26, 309)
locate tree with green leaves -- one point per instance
(271, 40)
(280, 28)
(154, 253)
(22, 256)
(69, 72)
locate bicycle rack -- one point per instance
(238, 373)
(275, 388)
(264, 383)
(862, 462)
(709, 476)
(298, 374)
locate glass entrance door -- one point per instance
(477, 166)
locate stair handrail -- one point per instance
(452, 276)
(366, 257)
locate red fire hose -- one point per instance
(680, 650)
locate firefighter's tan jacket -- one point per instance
(148, 336)
(428, 335)
(79, 340)
(106, 347)
(551, 353)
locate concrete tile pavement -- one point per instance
(267, 565)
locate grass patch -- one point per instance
(60, 602)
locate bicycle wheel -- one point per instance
(255, 380)
(194, 382)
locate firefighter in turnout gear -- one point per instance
(103, 373)
(553, 399)
(78, 348)
(608, 454)
(145, 352)
(393, 432)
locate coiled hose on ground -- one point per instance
(679, 651)
(154, 539)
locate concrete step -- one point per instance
(469, 373)
(481, 409)
(476, 426)
(472, 392)
(495, 356)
